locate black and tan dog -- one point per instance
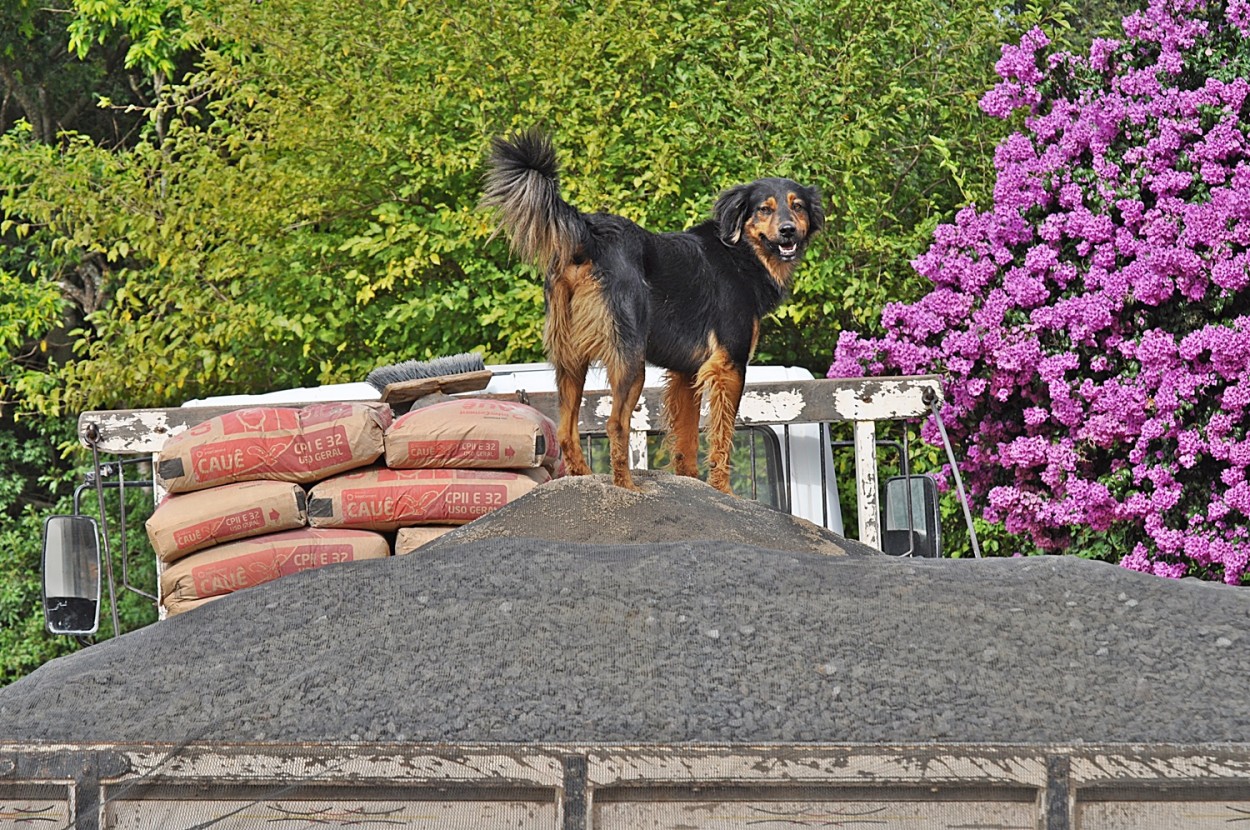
(690, 302)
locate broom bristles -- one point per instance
(438, 367)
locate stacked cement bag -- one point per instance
(236, 515)
(274, 443)
(446, 464)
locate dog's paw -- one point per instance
(685, 466)
(718, 477)
(625, 481)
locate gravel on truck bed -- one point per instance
(525, 639)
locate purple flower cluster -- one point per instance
(1094, 324)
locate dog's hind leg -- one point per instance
(721, 379)
(681, 410)
(626, 380)
(568, 293)
(569, 384)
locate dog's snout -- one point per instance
(787, 230)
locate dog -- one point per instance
(689, 302)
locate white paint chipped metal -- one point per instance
(639, 420)
(883, 399)
(771, 407)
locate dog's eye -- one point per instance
(764, 210)
(798, 206)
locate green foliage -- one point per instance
(27, 310)
(309, 207)
(49, 88)
(154, 31)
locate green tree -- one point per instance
(310, 189)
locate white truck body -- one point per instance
(786, 400)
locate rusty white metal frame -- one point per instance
(603, 787)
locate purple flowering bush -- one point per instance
(1093, 325)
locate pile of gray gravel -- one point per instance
(666, 508)
(539, 640)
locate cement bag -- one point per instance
(408, 539)
(382, 499)
(474, 433)
(193, 521)
(237, 565)
(181, 606)
(276, 443)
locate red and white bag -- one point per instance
(383, 499)
(277, 443)
(237, 565)
(472, 433)
(189, 522)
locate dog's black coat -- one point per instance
(690, 302)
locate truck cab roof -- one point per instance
(507, 378)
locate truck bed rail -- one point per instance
(1115, 787)
(862, 401)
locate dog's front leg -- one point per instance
(722, 381)
(569, 383)
(626, 386)
(681, 411)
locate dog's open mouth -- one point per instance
(787, 250)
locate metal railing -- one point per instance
(862, 401)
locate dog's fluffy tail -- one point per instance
(524, 189)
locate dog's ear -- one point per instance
(815, 211)
(732, 210)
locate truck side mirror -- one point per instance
(922, 535)
(71, 575)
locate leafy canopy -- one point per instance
(303, 205)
